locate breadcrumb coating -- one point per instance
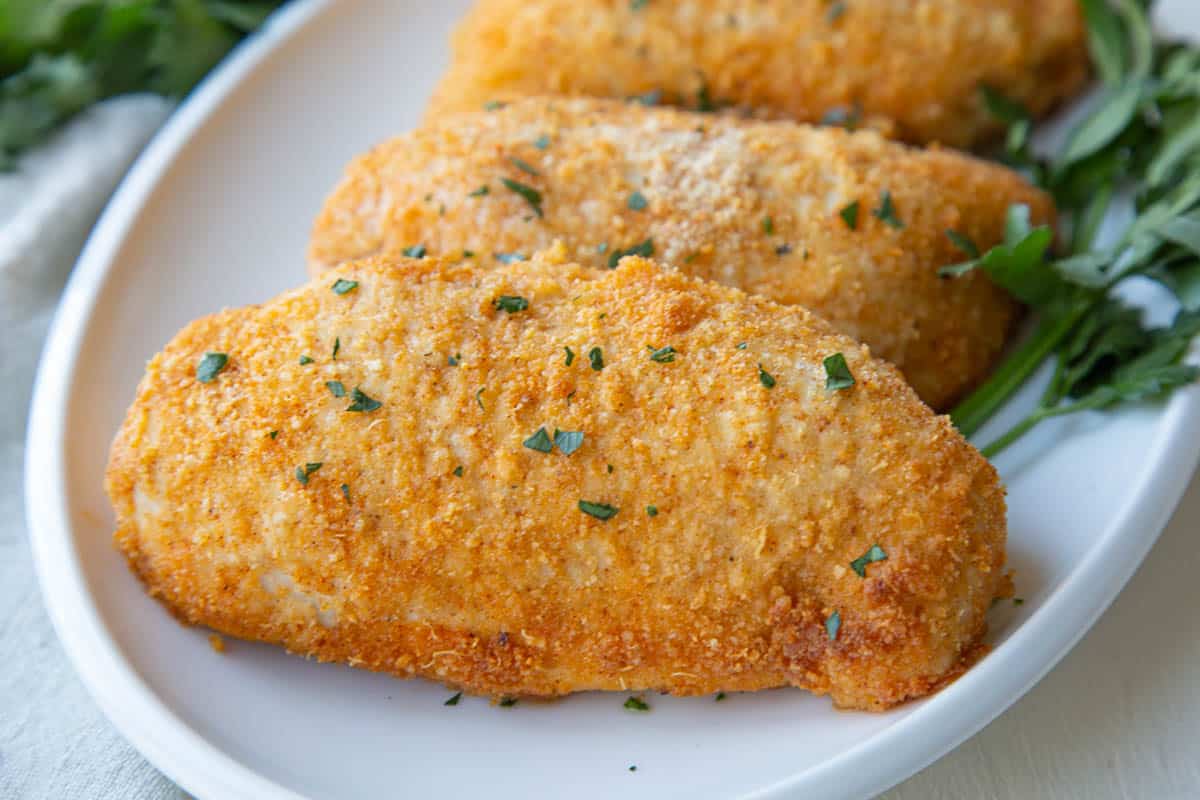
(389, 504)
(913, 67)
(755, 205)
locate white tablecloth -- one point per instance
(1119, 718)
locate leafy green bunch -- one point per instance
(1140, 142)
(57, 57)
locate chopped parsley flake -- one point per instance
(596, 356)
(210, 366)
(510, 303)
(963, 242)
(859, 565)
(837, 373)
(602, 247)
(540, 441)
(637, 5)
(720, 696)
(480, 192)
(663, 355)
(768, 226)
(1018, 601)
(644, 249)
(508, 702)
(637, 704)
(568, 442)
(337, 346)
(842, 116)
(633, 767)
(783, 249)
(610, 468)
(570, 356)
(362, 403)
(494, 105)
(415, 251)
(453, 701)
(468, 254)
(305, 360)
(509, 258)
(765, 378)
(343, 286)
(849, 215)
(637, 202)
(336, 387)
(302, 473)
(458, 471)
(479, 396)
(742, 345)
(454, 360)
(273, 434)
(651, 511)
(650, 98)
(600, 511)
(542, 142)
(346, 491)
(836, 10)
(524, 166)
(531, 195)
(887, 211)
(832, 625)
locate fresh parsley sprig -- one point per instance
(1140, 140)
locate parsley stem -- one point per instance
(1016, 432)
(970, 415)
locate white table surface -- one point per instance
(1118, 718)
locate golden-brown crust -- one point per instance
(492, 580)
(709, 185)
(915, 66)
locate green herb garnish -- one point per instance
(636, 704)
(336, 388)
(542, 142)
(494, 105)
(305, 360)
(343, 286)
(346, 491)
(302, 473)
(482, 191)
(570, 356)
(964, 243)
(837, 373)
(849, 215)
(783, 249)
(510, 303)
(453, 701)
(540, 441)
(454, 360)
(458, 471)
(531, 195)
(596, 357)
(637, 202)
(337, 346)
(568, 441)
(273, 434)
(508, 702)
(720, 696)
(414, 251)
(765, 378)
(663, 355)
(524, 166)
(651, 511)
(832, 625)
(601, 511)
(886, 212)
(479, 397)
(509, 258)
(859, 565)
(768, 226)
(644, 249)
(210, 366)
(362, 403)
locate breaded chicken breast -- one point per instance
(850, 225)
(547, 478)
(915, 67)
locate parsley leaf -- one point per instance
(637, 202)
(524, 166)
(210, 366)
(482, 191)
(303, 473)
(644, 249)
(765, 378)
(833, 624)
(453, 701)
(509, 258)
(636, 704)
(596, 357)
(601, 511)
(305, 360)
(568, 441)
(531, 195)
(859, 565)
(886, 212)
(570, 357)
(336, 388)
(414, 251)
(837, 373)
(511, 304)
(663, 355)
(363, 403)
(343, 286)
(849, 215)
(540, 441)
